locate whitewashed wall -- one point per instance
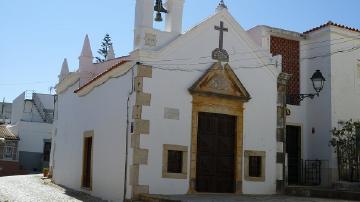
(32, 136)
(47, 100)
(104, 111)
(17, 108)
(170, 89)
(345, 78)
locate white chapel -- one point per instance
(215, 109)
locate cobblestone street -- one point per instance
(31, 188)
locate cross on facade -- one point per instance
(220, 54)
(222, 29)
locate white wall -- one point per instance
(104, 111)
(32, 136)
(345, 78)
(17, 108)
(170, 89)
(47, 100)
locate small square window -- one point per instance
(255, 166)
(174, 161)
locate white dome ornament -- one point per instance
(221, 6)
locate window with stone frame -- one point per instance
(175, 161)
(9, 150)
(254, 165)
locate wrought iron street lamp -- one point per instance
(318, 81)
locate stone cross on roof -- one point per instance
(220, 53)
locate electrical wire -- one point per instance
(161, 66)
(266, 51)
(26, 83)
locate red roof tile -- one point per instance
(330, 23)
(101, 75)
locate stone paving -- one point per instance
(244, 198)
(31, 188)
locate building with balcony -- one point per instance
(32, 118)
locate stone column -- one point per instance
(140, 127)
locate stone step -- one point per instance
(322, 193)
(155, 198)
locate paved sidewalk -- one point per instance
(31, 188)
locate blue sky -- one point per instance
(36, 35)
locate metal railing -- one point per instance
(46, 115)
(305, 173)
(311, 172)
(348, 167)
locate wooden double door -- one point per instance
(215, 158)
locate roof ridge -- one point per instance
(102, 74)
(331, 23)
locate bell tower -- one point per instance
(149, 11)
(174, 17)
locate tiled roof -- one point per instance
(330, 23)
(101, 75)
(6, 133)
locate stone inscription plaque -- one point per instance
(171, 113)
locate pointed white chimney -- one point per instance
(64, 70)
(173, 21)
(111, 53)
(86, 50)
(86, 65)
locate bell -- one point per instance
(158, 17)
(159, 7)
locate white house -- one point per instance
(32, 117)
(5, 112)
(334, 50)
(200, 111)
(9, 159)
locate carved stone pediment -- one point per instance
(220, 81)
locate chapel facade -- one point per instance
(205, 111)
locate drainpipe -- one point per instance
(127, 130)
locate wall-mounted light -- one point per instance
(318, 82)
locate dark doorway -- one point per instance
(87, 161)
(215, 162)
(46, 151)
(293, 149)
